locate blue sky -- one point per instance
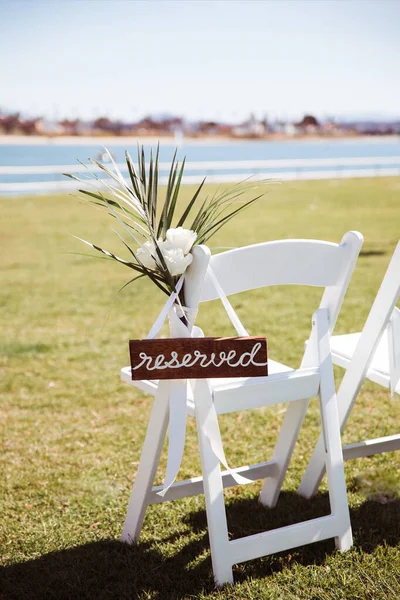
(216, 60)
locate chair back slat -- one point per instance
(288, 262)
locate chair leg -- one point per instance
(335, 474)
(314, 472)
(213, 491)
(346, 397)
(288, 435)
(149, 459)
(289, 432)
(345, 541)
(332, 446)
(335, 466)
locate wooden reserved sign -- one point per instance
(199, 358)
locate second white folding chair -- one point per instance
(372, 354)
(295, 262)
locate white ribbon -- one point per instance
(178, 394)
(236, 322)
(177, 431)
(179, 389)
(213, 435)
(159, 322)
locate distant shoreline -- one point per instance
(41, 140)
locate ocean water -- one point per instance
(56, 154)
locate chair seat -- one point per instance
(343, 348)
(230, 393)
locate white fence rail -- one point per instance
(301, 169)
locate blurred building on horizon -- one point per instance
(14, 123)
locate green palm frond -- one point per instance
(136, 208)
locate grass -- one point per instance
(73, 432)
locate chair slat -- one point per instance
(287, 262)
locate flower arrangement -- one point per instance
(158, 241)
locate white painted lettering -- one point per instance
(160, 362)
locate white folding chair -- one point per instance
(372, 354)
(297, 262)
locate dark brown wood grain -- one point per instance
(199, 358)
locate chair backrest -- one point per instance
(286, 262)
(383, 315)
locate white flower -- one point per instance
(182, 238)
(175, 259)
(146, 254)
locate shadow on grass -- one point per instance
(110, 569)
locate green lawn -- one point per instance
(73, 432)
